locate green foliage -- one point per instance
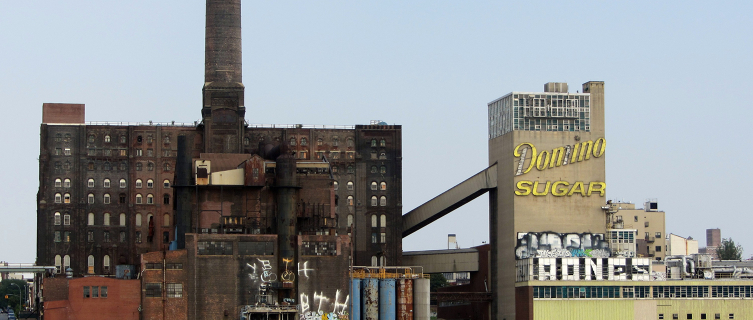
(12, 291)
(729, 251)
(437, 280)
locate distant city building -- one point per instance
(713, 241)
(648, 223)
(679, 246)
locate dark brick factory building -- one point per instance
(219, 217)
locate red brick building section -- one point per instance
(91, 298)
(164, 282)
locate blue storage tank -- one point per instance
(387, 303)
(355, 299)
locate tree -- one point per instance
(729, 251)
(437, 280)
(12, 291)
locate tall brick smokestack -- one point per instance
(223, 42)
(223, 112)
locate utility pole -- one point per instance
(20, 302)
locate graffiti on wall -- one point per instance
(558, 245)
(319, 301)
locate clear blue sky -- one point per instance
(676, 72)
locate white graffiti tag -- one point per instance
(305, 269)
(266, 275)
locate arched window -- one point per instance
(90, 219)
(106, 263)
(383, 186)
(166, 166)
(382, 143)
(335, 185)
(373, 169)
(138, 183)
(123, 183)
(350, 220)
(138, 198)
(106, 218)
(292, 141)
(58, 198)
(382, 155)
(319, 142)
(383, 221)
(58, 183)
(350, 185)
(373, 185)
(383, 169)
(166, 184)
(67, 198)
(383, 261)
(374, 221)
(91, 166)
(122, 219)
(123, 165)
(57, 263)
(58, 218)
(304, 142)
(150, 166)
(383, 201)
(91, 138)
(90, 264)
(351, 169)
(107, 138)
(107, 166)
(66, 262)
(58, 137)
(350, 200)
(373, 142)
(166, 220)
(374, 261)
(58, 165)
(350, 142)
(166, 199)
(373, 201)
(106, 183)
(139, 166)
(149, 199)
(66, 219)
(150, 183)
(123, 139)
(246, 141)
(67, 183)
(106, 198)
(90, 183)
(90, 198)
(138, 219)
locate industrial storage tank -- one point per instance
(355, 302)
(405, 299)
(387, 299)
(421, 308)
(370, 302)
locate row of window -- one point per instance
(106, 199)
(351, 169)
(96, 292)
(106, 219)
(62, 264)
(154, 290)
(382, 186)
(335, 142)
(717, 316)
(107, 166)
(381, 219)
(66, 183)
(92, 138)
